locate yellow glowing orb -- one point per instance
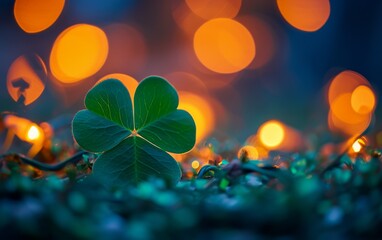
(201, 112)
(305, 15)
(129, 82)
(37, 15)
(224, 45)
(214, 9)
(33, 133)
(249, 152)
(363, 100)
(78, 52)
(195, 164)
(271, 134)
(356, 146)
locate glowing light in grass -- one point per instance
(195, 164)
(26, 79)
(25, 130)
(271, 134)
(33, 133)
(305, 15)
(37, 15)
(214, 9)
(357, 146)
(363, 100)
(78, 52)
(249, 152)
(201, 112)
(224, 45)
(129, 82)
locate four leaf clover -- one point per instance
(134, 140)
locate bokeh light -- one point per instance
(249, 152)
(356, 146)
(33, 133)
(352, 103)
(350, 129)
(363, 100)
(186, 20)
(224, 45)
(309, 15)
(214, 9)
(200, 110)
(341, 107)
(345, 82)
(26, 79)
(195, 164)
(271, 134)
(25, 130)
(78, 52)
(37, 15)
(129, 82)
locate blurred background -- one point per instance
(312, 67)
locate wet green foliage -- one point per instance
(237, 200)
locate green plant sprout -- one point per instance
(134, 140)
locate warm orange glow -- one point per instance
(271, 134)
(341, 107)
(185, 18)
(33, 133)
(214, 9)
(195, 164)
(224, 45)
(305, 15)
(205, 153)
(356, 146)
(26, 81)
(127, 49)
(363, 100)
(351, 129)
(200, 110)
(25, 130)
(130, 83)
(177, 157)
(345, 82)
(37, 15)
(78, 52)
(250, 152)
(352, 103)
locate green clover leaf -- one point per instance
(134, 142)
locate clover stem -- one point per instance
(43, 166)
